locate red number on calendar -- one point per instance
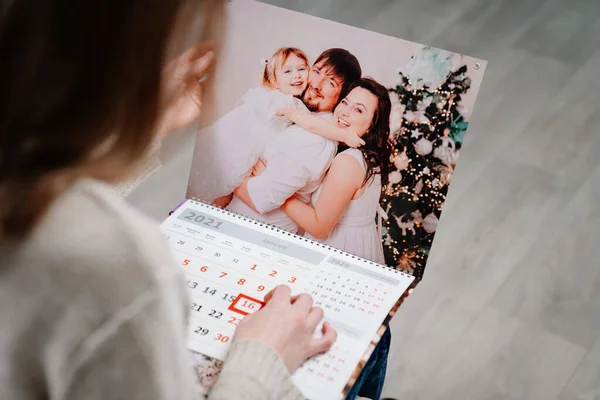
(185, 262)
(222, 338)
(234, 321)
(241, 281)
(260, 288)
(223, 274)
(273, 273)
(253, 267)
(204, 268)
(250, 305)
(292, 279)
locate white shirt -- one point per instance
(297, 161)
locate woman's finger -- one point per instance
(304, 302)
(314, 317)
(199, 67)
(280, 293)
(324, 343)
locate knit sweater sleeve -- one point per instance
(139, 354)
(254, 371)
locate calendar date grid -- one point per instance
(235, 264)
(285, 258)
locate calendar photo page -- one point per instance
(322, 163)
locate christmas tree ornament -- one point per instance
(415, 134)
(401, 162)
(418, 116)
(395, 177)
(387, 240)
(406, 263)
(423, 147)
(445, 172)
(430, 223)
(426, 171)
(419, 187)
(408, 225)
(447, 151)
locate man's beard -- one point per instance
(312, 107)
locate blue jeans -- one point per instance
(370, 381)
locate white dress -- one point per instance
(225, 151)
(356, 231)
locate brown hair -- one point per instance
(276, 61)
(344, 65)
(80, 84)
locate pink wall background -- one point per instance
(255, 30)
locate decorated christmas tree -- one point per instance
(428, 124)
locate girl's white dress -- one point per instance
(226, 151)
(356, 232)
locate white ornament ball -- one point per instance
(401, 162)
(423, 147)
(395, 177)
(430, 223)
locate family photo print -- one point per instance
(344, 136)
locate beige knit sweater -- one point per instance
(93, 307)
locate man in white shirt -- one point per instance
(298, 159)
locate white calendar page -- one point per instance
(232, 262)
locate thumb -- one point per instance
(324, 343)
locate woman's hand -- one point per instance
(259, 167)
(181, 91)
(286, 324)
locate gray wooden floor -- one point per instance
(509, 307)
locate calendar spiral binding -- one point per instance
(297, 237)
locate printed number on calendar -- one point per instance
(201, 219)
(209, 290)
(196, 307)
(229, 297)
(201, 331)
(222, 338)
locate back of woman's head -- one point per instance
(377, 148)
(80, 86)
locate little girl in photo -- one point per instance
(226, 151)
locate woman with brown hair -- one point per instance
(91, 304)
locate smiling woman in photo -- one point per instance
(343, 210)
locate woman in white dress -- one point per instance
(343, 211)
